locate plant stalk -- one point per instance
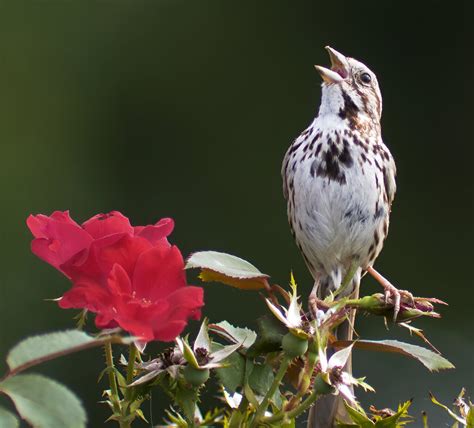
(276, 382)
(114, 394)
(305, 405)
(132, 356)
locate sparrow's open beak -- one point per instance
(339, 67)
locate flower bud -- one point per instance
(194, 376)
(294, 346)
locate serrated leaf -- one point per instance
(261, 378)
(43, 402)
(270, 335)
(37, 349)
(394, 420)
(186, 399)
(450, 412)
(429, 359)
(8, 419)
(358, 416)
(227, 269)
(244, 336)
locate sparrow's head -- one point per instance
(350, 89)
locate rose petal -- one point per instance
(118, 281)
(38, 223)
(155, 233)
(104, 253)
(107, 224)
(159, 272)
(85, 295)
(58, 241)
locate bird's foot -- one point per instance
(392, 294)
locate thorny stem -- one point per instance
(132, 356)
(276, 382)
(296, 411)
(114, 395)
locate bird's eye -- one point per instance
(365, 78)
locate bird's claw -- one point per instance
(394, 296)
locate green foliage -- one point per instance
(186, 398)
(37, 349)
(232, 375)
(244, 336)
(463, 411)
(270, 335)
(7, 419)
(431, 360)
(228, 269)
(379, 419)
(43, 402)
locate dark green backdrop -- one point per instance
(185, 109)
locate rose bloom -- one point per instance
(128, 276)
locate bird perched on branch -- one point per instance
(339, 183)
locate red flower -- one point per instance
(129, 276)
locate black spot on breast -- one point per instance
(345, 157)
(329, 168)
(379, 211)
(356, 215)
(313, 141)
(376, 238)
(314, 167)
(318, 149)
(295, 147)
(378, 165)
(333, 147)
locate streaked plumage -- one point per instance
(339, 179)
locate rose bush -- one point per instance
(130, 277)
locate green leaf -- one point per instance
(43, 402)
(232, 376)
(244, 336)
(8, 419)
(358, 416)
(470, 418)
(431, 360)
(186, 399)
(395, 421)
(230, 270)
(450, 412)
(261, 378)
(37, 349)
(270, 335)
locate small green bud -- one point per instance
(321, 386)
(194, 376)
(294, 346)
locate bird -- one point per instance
(339, 184)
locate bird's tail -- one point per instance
(330, 408)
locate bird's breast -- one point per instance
(335, 200)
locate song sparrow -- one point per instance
(339, 183)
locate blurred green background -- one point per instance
(185, 109)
